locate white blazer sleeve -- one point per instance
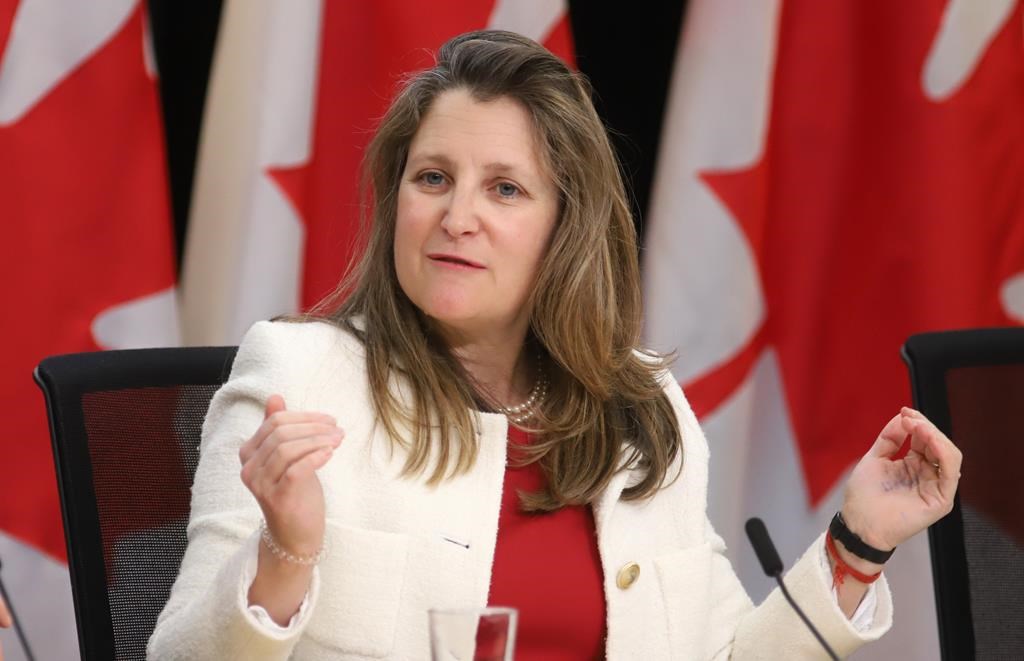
(207, 615)
(772, 630)
(774, 625)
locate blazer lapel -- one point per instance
(606, 503)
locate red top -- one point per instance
(547, 565)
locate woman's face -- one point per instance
(476, 209)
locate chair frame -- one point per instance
(64, 379)
(929, 356)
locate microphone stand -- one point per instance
(772, 566)
(799, 611)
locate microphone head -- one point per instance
(763, 547)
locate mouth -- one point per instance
(454, 260)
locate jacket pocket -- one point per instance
(361, 584)
(685, 578)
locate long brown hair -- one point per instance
(586, 305)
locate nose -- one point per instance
(460, 216)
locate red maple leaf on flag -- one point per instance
(87, 222)
(874, 213)
(364, 47)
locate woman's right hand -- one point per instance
(279, 466)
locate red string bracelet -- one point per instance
(842, 569)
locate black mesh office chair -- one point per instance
(971, 384)
(125, 427)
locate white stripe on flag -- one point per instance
(40, 590)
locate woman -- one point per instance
(482, 363)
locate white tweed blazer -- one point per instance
(391, 558)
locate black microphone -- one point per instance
(17, 625)
(772, 565)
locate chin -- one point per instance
(449, 309)
(454, 318)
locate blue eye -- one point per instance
(432, 178)
(506, 189)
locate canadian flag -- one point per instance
(295, 93)
(87, 256)
(833, 178)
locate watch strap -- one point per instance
(855, 544)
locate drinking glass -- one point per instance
(473, 634)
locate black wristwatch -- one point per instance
(855, 544)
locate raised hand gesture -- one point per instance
(279, 465)
(888, 501)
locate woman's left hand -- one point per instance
(887, 501)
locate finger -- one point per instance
(279, 419)
(286, 455)
(261, 472)
(288, 434)
(275, 403)
(912, 413)
(282, 418)
(938, 450)
(942, 452)
(305, 467)
(921, 431)
(890, 439)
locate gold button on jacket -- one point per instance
(627, 575)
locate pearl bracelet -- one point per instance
(281, 554)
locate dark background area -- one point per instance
(626, 52)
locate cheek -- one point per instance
(534, 245)
(407, 234)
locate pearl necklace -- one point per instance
(526, 410)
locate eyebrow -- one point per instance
(498, 167)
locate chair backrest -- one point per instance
(125, 427)
(971, 384)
